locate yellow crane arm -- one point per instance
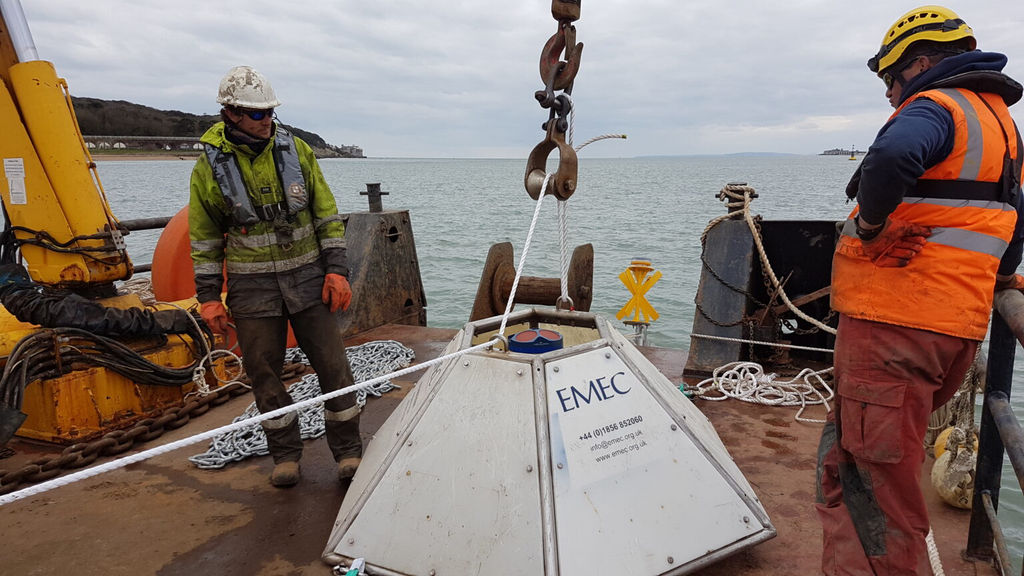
(57, 214)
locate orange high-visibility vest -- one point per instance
(948, 286)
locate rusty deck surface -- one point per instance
(166, 517)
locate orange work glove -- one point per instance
(336, 293)
(1014, 282)
(897, 243)
(215, 316)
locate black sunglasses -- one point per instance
(889, 78)
(257, 115)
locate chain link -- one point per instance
(367, 361)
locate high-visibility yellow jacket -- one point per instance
(282, 240)
(948, 286)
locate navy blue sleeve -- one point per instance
(918, 138)
(1012, 257)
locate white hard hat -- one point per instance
(244, 87)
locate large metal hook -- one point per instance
(556, 74)
(562, 183)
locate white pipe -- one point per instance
(17, 26)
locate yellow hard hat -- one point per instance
(934, 23)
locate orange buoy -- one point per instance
(172, 261)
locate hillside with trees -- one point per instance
(119, 118)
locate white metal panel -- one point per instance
(385, 443)
(633, 493)
(461, 496)
(695, 420)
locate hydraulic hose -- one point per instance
(79, 333)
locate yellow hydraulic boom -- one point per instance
(54, 204)
(77, 360)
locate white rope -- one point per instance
(170, 447)
(572, 120)
(367, 361)
(522, 259)
(141, 287)
(199, 373)
(563, 217)
(563, 247)
(601, 137)
(747, 381)
(933, 554)
(761, 342)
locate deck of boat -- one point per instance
(164, 516)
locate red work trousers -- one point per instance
(889, 380)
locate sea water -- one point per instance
(632, 208)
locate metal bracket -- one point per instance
(562, 183)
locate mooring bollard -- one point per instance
(373, 194)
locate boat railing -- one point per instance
(1000, 433)
(145, 224)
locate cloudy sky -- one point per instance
(454, 78)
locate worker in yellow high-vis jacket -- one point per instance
(260, 208)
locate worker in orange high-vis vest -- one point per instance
(936, 223)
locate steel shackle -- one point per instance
(562, 183)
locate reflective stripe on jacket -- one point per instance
(279, 245)
(948, 286)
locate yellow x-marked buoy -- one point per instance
(638, 279)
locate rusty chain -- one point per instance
(557, 75)
(119, 441)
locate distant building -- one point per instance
(841, 152)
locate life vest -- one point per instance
(244, 211)
(968, 200)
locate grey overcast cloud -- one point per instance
(445, 78)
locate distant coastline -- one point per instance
(732, 154)
(141, 157)
(151, 155)
(842, 152)
(116, 126)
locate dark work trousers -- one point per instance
(263, 341)
(889, 379)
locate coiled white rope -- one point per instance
(747, 381)
(199, 373)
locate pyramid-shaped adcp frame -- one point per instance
(575, 462)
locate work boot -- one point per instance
(347, 467)
(285, 474)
